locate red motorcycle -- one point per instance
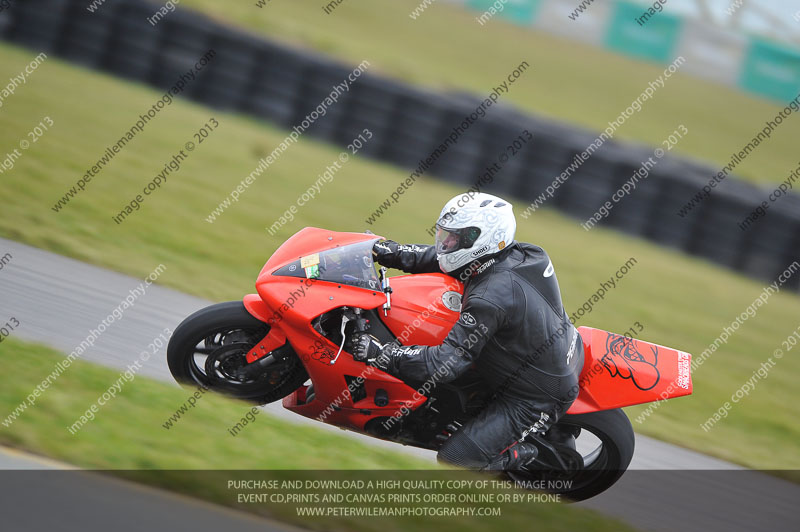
(321, 286)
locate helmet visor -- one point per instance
(451, 240)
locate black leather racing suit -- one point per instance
(527, 350)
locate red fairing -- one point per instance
(294, 302)
(419, 314)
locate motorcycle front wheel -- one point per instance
(209, 348)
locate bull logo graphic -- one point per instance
(623, 359)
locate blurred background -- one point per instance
(697, 79)
(591, 63)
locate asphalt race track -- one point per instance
(77, 501)
(57, 301)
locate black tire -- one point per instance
(230, 328)
(611, 460)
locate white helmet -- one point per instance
(472, 226)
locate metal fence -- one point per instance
(282, 85)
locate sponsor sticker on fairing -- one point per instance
(684, 370)
(309, 260)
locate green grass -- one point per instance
(446, 49)
(127, 434)
(681, 301)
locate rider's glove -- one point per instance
(366, 348)
(383, 250)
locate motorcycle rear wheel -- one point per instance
(603, 465)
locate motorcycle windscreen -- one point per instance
(349, 264)
(622, 371)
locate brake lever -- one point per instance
(345, 319)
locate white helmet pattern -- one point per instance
(472, 226)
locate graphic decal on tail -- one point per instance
(623, 359)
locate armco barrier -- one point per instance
(282, 85)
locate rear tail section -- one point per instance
(622, 371)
